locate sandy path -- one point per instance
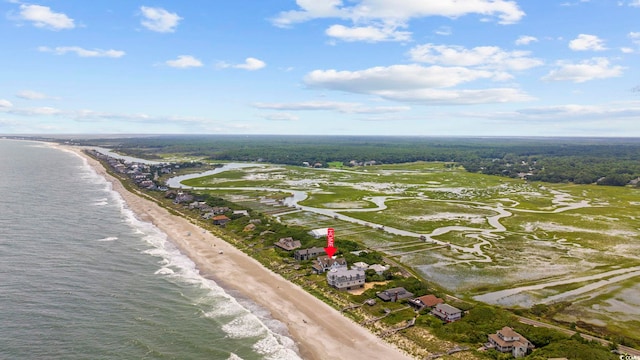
(320, 331)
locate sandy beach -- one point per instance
(320, 331)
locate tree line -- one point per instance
(604, 161)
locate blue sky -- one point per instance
(350, 67)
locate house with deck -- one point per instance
(220, 220)
(344, 279)
(446, 312)
(325, 263)
(394, 294)
(308, 254)
(426, 301)
(507, 340)
(288, 244)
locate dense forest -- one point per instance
(604, 161)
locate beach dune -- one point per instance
(320, 331)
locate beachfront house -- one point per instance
(394, 294)
(446, 312)
(287, 244)
(308, 254)
(426, 301)
(220, 220)
(325, 263)
(507, 340)
(344, 279)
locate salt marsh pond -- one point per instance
(498, 240)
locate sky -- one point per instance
(321, 67)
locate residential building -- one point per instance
(379, 269)
(426, 301)
(220, 220)
(344, 279)
(394, 294)
(447, 312)
(288, 244)
(325, 263)
(308, 254)
(507, 340)
(360, 265)
(318, 233)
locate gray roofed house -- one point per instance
(394, 294)
(308, 254)
(447, 312)
(344, 279)
(325, 263)
(288, 243)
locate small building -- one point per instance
(241, 212)
(361, 265)
(288, 244)
(427, 301)
(220, 220)
(325, 263)
(308, 254)
(394, 294)
(318, 233)
(379, 269)
(507, 340)
(344, 279)
(446, 312)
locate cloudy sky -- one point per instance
(343, 67)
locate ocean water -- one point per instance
(82, 278)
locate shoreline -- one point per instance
(319, 331)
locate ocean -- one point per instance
(82, 278)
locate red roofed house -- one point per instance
(220, 220)
(427, 301)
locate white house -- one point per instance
(343, 279)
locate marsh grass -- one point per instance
(538, 245)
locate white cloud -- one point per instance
(634, 3)
(367, 33)
(45, 110)
(43, 17)
(443, 31)
(526, 40)
(338, 106)
(159, 19)
(378, 20)
(61, 50)
(415, 83)
(606, 112)
(280, 117)
(596, 68)
(627, 50)
(490, 57)
(587, 42)
(398, 11)
(250, 64)
(5, 103)
(33, 95)
(184, 61)
(634, 36)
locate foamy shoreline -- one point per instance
(320, 331)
